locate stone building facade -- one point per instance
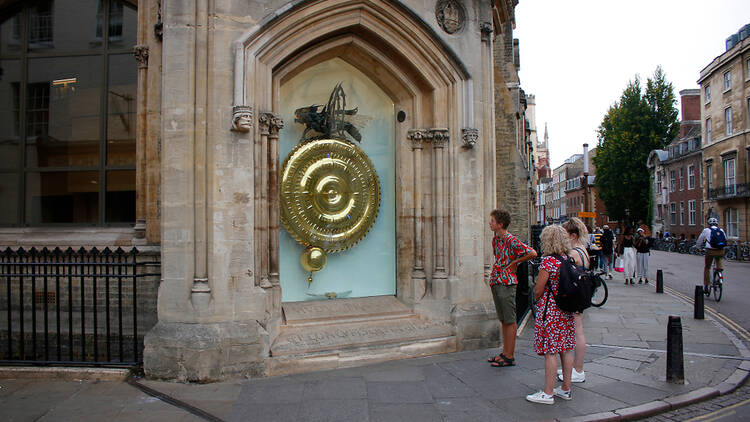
(725, 118)
(659, 190)
(208, 115)
(514, 132)
(681, 209)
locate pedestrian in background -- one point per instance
(554, 329)
(626, 249)
(642, 245)
(608, 250)
(508, 252)
(577, 233)
(595, 248)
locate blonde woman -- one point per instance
(578, 234)
(554, 329)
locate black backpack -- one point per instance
(576, 286)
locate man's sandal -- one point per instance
(504, 362)
(496, 358)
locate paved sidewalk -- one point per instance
(625, 374)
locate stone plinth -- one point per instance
(205, 352)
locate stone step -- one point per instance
(326, 312)
(340, 345)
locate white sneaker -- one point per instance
(575, 376)
(565, 395)
(541, 397)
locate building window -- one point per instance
(727, 80)
(672, 181)
(658, 183)
(682, 179)
(729, 176)
(708, 130)
(659, 212)
(67, 152)
(673, 214)
(682, 213)
(691, 212)
(732, 222)
(707, 92)
(728, 120)
(691, 177)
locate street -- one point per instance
(683, 272)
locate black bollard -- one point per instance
(675, 359)
(698, 305)
(659, 282)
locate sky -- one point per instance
(578, 56)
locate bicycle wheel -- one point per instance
(600, 295)
(717, 287)
(730, 254)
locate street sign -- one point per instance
(586, 214)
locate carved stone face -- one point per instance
(242, 119)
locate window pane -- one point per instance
(121, 103)
(10, 35)
(63, 25)
(8, 198)
(62, 111)
(123, 24)
(10, 123)
(120, 197)
(62, 197)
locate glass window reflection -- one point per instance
(62, 197)
(120, 196)
(121, 110)
(62, 113)
(67, 117)
(10, 115)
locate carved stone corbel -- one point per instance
(242, 118)
(439, 137)
(486, 30)
(140, 52)
(417, 137)
(469, 136)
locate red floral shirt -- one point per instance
(506, 250)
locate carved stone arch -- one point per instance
(397, 50)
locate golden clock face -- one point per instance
(330, 194)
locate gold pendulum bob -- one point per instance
(330, 197)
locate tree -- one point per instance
(636, 124)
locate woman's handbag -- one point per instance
(619, 265)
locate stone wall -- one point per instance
(512, 178)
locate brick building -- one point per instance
(725, 102)
(682, 209)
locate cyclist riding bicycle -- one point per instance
(715, 239)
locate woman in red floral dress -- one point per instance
(554, 329)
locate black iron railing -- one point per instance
(730, 191)
(75, 307)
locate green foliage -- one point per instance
(636, 124)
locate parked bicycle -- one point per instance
(598, 299)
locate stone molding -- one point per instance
(242, 118)
(469, 136)
(417, 136)
(270, 124)
(485, 28)
(439, 137)
(140, 52)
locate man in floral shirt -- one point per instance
(508, 252)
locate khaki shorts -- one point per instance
(505, 302)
